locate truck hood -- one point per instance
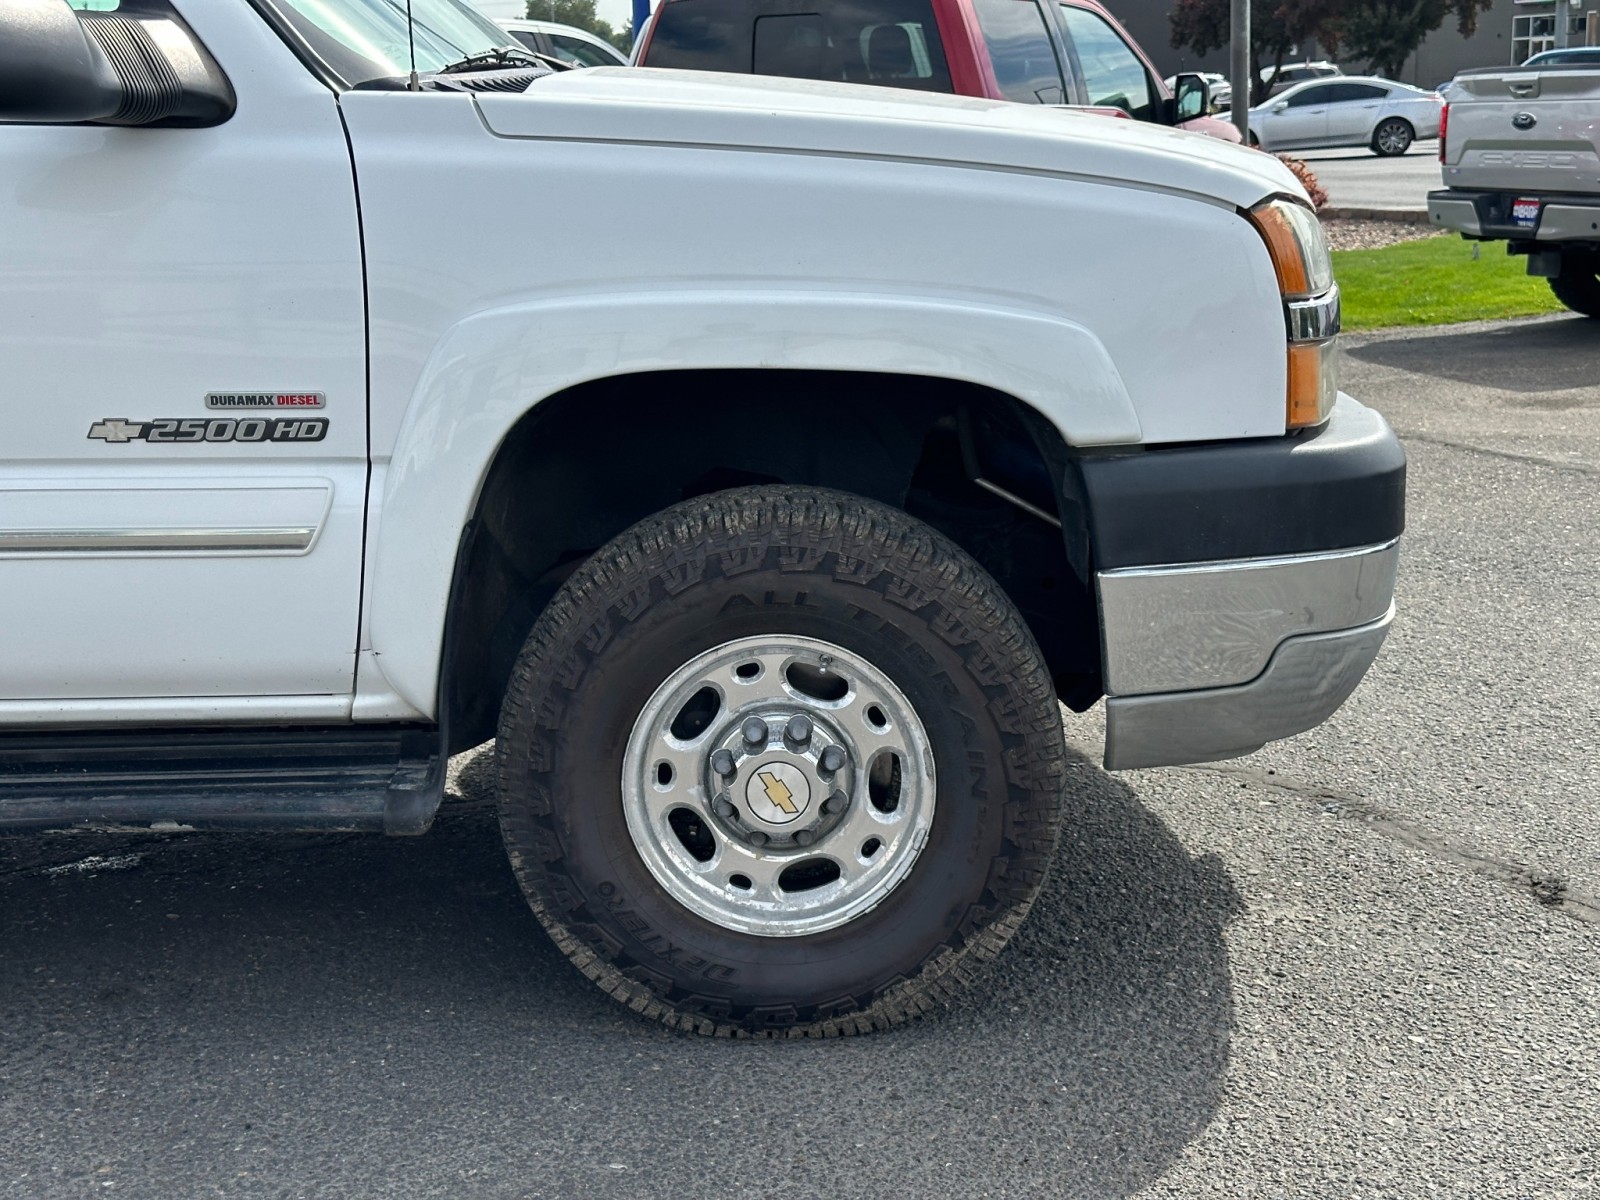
(700, 108)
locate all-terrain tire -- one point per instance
(764, 563)
(1578, 285)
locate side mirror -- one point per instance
(51, 71)
(58, 66)
(1281, 106)
(1191, 98)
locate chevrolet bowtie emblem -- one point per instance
(115, 429)
(778, 792)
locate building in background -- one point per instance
(1507, 33)
(1540, 25)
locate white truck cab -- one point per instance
(355, 418)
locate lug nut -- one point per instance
(804, 838)
(832, 758)
(722, 763)
(757, 838)
(798, 730)
(837, 802)
(724, 808)
(755, 732)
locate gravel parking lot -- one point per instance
(1365, 963)
(1372, 235)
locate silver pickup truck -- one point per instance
(1518, 148)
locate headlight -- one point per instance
(1310, 307)
(1299, 252)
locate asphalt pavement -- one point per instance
(1363, 963)
(1358, 178)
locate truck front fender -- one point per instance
(493, 367)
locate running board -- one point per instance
(380, 779)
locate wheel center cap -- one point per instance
(778, 793)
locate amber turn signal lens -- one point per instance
(1313, 383)
(1296, 245)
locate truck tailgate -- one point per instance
(1525, 130)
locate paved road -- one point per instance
(1366, 963)
(1360, 179)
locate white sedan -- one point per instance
(576, 46)
(1352, 110)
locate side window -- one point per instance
(890, 42)
(793, 45)
(1355, 91)
(701, 35)
(1312, 95)
(895, 42)
(1113, 74)
(574, 50)
(526, 38)
(1019, 46)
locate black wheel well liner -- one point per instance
(585, 464)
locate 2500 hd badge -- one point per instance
(211, 429)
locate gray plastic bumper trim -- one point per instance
(1308, 678)
(1460, 215)
(1569, 223)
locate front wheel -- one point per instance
(780, 761)
(1578, 285)
(1392, 137)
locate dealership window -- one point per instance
(1531, 35)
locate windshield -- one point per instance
(366, 39)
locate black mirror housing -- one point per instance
(139, 65)
(51, 70)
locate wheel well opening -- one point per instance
(587, 463)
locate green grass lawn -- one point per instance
(1434, 281)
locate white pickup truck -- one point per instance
(756, 460)
(1520, 148)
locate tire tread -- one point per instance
(661, 550)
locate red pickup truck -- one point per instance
(1055, 52)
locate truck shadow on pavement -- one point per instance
(360, 1016)
(1527, 358)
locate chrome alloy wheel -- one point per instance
(778, 786)
(1394, 137)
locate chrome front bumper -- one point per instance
(1205, 661)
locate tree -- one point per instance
(580, 14)
(1384, 33)
(1276, 28)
